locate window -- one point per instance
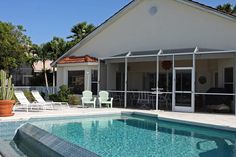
(152, 81)
(94, 81)
(76, 81)
(216, 79)
(165, 85)
(120, 77)
(228, 79)
(149, 81)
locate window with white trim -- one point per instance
(94, 81)
(76, 81)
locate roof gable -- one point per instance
(129, 7)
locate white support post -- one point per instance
(173, 82)
(108, 80)
(157, 80)
(53, 80)
(99, 75)
(193, 79)
(88, 78)
(126, 79)
(235, 83)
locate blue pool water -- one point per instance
(139, 136)
(131, 136)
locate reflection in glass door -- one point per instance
(183, 89)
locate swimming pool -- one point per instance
(134, 135)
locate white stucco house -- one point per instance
(175, 55)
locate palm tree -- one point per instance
(56, 48)
(48, 51)
(43, 55)
(227, 8)
(80, 31)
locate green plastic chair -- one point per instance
(87, 98)
(104, 99)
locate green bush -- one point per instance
(74, 100)
(53, 97)
(62, 95)
(29, 95)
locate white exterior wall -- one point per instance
(175, 25)
(62, 78)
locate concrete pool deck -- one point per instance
(220, 121)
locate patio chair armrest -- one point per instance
(94, 99)
(111, 99)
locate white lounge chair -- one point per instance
(104, 99)
(23, 102)
(40, 99)
(87, 98)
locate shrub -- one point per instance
(74, 100)
(62, 95)
(53, 97)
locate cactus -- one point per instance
(7, 88)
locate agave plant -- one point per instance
(7, 88)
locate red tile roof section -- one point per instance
(79, 59)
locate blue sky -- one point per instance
(44, 19)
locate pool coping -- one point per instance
(214, 126)
(54, 116)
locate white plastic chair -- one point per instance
(164, 100)
(144, 100)
(87, 98)
(104, 99)
(49, 104)
(24, 102)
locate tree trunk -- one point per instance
(45, 76)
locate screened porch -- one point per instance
(189, 80)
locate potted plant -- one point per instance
(6, 95)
